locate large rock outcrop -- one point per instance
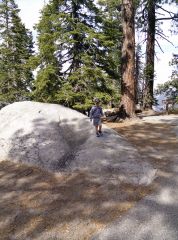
(60, 139)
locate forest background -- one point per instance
(86, 49)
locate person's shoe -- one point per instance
(97, 134)
(101, 133)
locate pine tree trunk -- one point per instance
(128, 58)
(137, 71)
(150, 52)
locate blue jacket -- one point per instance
(96, 112)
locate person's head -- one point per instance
(97, 101)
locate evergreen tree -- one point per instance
(16, 47)
(170, 90)
(150, 23)
(112, 30)
(162, 88)
(73, 50)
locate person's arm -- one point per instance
(91, 114)
(102, 114)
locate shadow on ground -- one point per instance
(155, 141)
(155, 216)
(35, 204)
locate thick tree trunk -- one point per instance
(128, 58)
(150, 53)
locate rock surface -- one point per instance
(58, 139)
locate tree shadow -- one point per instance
(154, 217)
(59, 203)
(49, 145)
(155, 141)
(36, 204)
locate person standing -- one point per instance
(96, 113)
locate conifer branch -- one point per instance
(67, 60)
(169, 18)
(159, 46)
(143, 41)
(172, 14)
(165, 10)
(165, 38)
(160, 33)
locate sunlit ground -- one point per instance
(35, 204)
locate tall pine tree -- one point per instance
(72, 55)
(16, 47)
(112, 30)
(151, 19)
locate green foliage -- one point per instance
(78, 54)
(16, 47)
(170, 89)
(112, 37)
(177, 99)
(45, 83)
(79, 94)
(162, 88)
(173, 83)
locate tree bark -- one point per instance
(128, 58)
(150, 52)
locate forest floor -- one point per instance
(38, 205)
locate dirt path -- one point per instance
(37, 205)
(154, 140)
